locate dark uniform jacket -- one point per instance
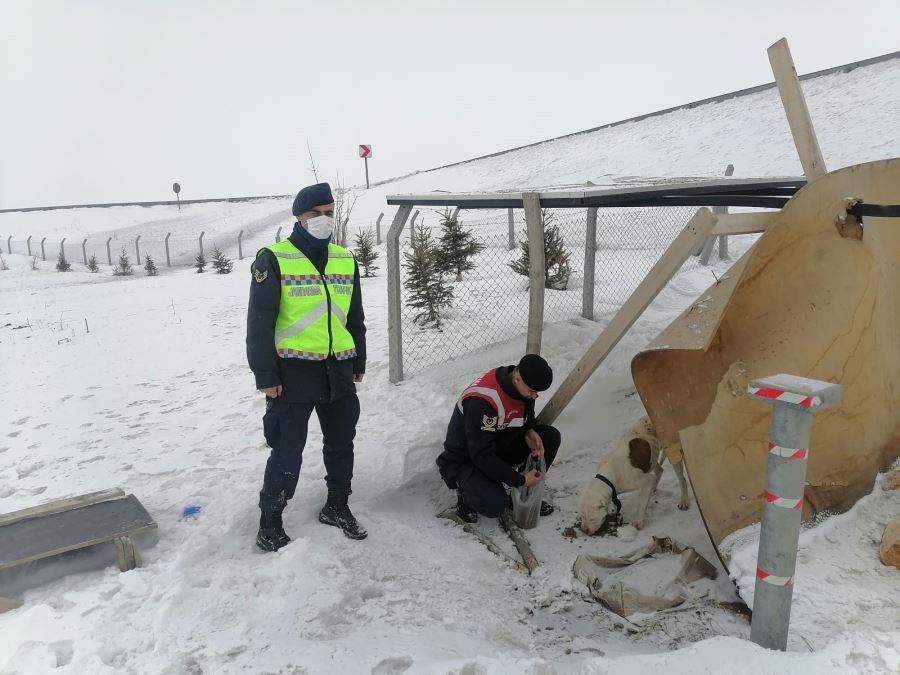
(302, 381)
(468, 442)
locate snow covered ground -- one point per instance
(142, 383)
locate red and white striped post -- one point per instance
(794, 400)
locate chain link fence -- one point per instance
(491, 302)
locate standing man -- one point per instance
(306, 345)
(491, 433)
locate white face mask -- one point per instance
(320, 227)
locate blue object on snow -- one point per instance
(191, 510)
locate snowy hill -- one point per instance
(142, 383)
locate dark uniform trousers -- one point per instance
(488, 496)
(285, 426)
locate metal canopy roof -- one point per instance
(758, 192)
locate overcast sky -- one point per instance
(114, 101)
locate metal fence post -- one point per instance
(395, 328)
(137, 248)
(378, 229)
(168, 260)
(412, 225)
(512, 228)
(201, 243)
(9, 244)
(794, 400)
(240, 248)
(84, 250)
(43, 254)
(532, 203)
(108, 253)
(28, 244)
(278, 234)
(590, 251)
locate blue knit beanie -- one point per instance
(312, 196)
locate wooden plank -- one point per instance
(697, 229)
(742, 223)
(520, 540)
(532, 204)
(63, 504)
(450, 514)
(395, 330)
(36, 538)
(795, 108)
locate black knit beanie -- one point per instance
(535, 372)
(312, 196)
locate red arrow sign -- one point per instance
(365, 151)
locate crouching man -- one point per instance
(491, 433)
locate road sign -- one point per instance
(365, 151)
(176, 188)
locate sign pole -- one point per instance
(366, 159)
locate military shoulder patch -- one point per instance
(260, 276)
(488, 423)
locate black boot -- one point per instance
(463, 510)
(271, 535)
(336, 512)
(547, 508)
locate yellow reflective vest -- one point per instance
(312, 317)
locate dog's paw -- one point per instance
(684, 505)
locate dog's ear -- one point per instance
(639, 453)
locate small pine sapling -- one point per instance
(456, 247)
(123, 268)
(3, 265)
(221, 264)
(199, 263)
(556, 258)
(366, 255)
(62, 265)
(150, 266)
(427, 291)
(92, 264)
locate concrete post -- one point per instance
(378, 229)
(201, 241)
(84, 250)
(536, 277)
(28, 244)
(510, 216)
(240, 247)
(395, 325)
(590, 254)
(9, 244)
(278, 235)
(168, 260)
(794, 400)
(43, 253)
(108, 252)
(137, 248)
(62, 247)
(454, 214)
(412, 228)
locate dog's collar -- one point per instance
(615, 495)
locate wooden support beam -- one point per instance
(488, 543)
(795, 108)
(742, 223)
(698, 228)
(532, 203)
(520, 540)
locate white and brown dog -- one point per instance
(634, 463)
